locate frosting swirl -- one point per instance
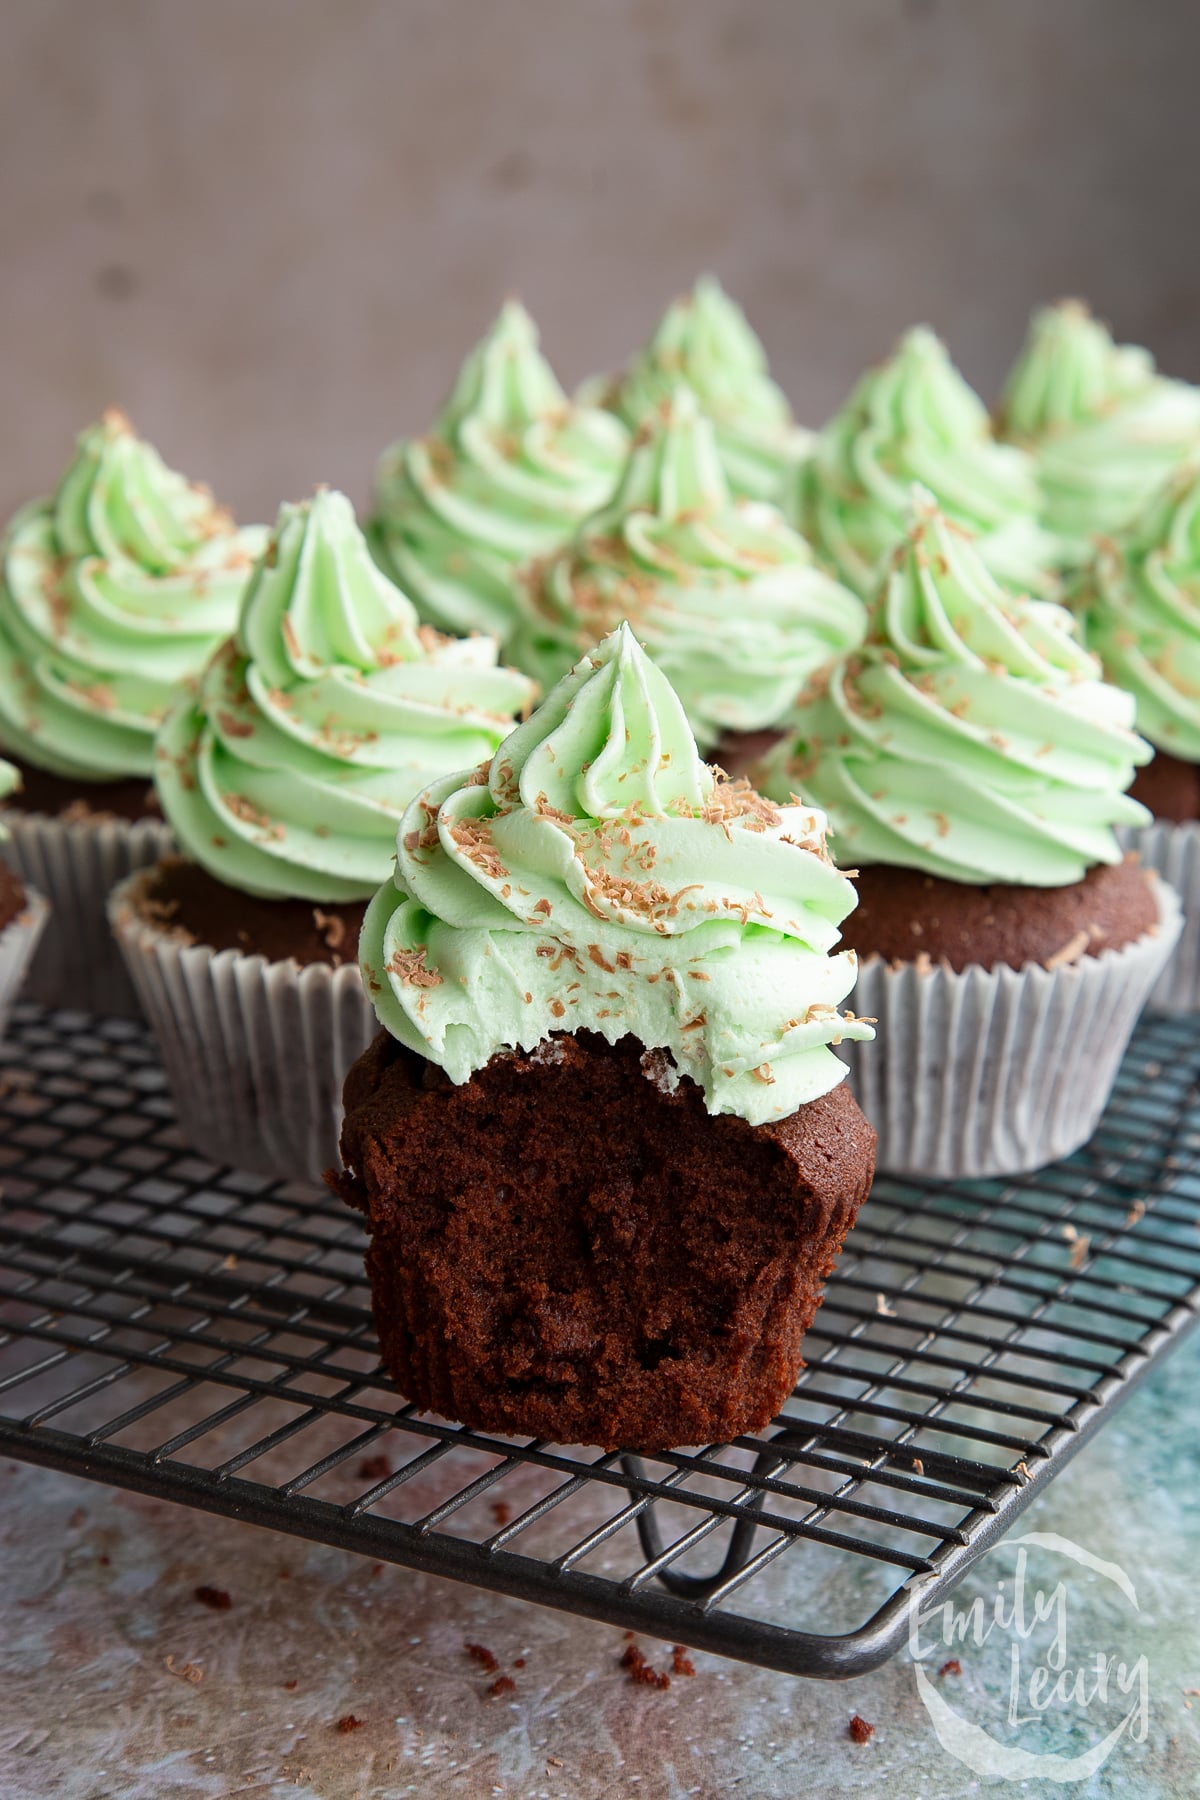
(598, 876)
(972, 736)
(287, 771)
(505, 475)
(1105, 427)
(1140, 602)
(914, 419)
(723, 594)
(112, 591)
(704, 342)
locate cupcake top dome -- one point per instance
(724, 595)
(913, 419)
(111, 591)
(506, 473)
(972, 737)
(287, 769)
(704, 342)
(1140, 603)
(1105, 426)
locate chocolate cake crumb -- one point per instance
(483, 1656)
(348, 1722)
(215, 1597)
(501, 1511)
(374, 1468)
(953, 1667)
(859, 1730)
(640, 1672)
(503, 1684)
(681, 1662)
(291, 1686)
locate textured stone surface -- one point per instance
(272, 230)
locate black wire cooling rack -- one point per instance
(204, 1336)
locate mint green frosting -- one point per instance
(724, 594)
(1140, 601)
(286, 772)
(111, 592)
(705, 343)
(598, 876)
(505, 475)
(972, 736)
(914, 419)
(1105, 427)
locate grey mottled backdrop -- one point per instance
(270, 228)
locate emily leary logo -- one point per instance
(1048, 1673)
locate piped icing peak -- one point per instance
(114, 589)
(724, 594)
(508, 471)
(599, 876)
(705, 342)
(972, 736)
(286, 772)
(912, 419)
(1140, 601)
(1105, 426)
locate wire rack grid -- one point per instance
(204, 1336)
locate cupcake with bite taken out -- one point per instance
(973, 765)
(112, 591)
(508, 471)
(284, 775)
(724, 595)
(1139, 601)
(604, 1149)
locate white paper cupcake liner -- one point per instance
(18, 942)
(76, 863)
(997, 1071)
(1173, 851)
(255, 1051)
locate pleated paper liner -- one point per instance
(1173, 851)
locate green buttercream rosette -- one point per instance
(597, 875)
(704, 342)
(972, 736)
(725, 596)
(914, 419)
(1104, 426)
(506, 474)
(286, 772)
(113, 591)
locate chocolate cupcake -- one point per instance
(915, 419)
(704, 342)
(112, 591)
(603, 1147)
(725, 596)
(973, 764)
(284, 776)
(508, 471)
(1139, 601)
(1104, 427)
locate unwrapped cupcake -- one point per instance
(725, 596)
(704, 342)
(973, 765)
(111, 592)
(605, 1151)
(506, 474)
(284, 776)
(1104, 426)
(915, 419)
(1140, 606)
